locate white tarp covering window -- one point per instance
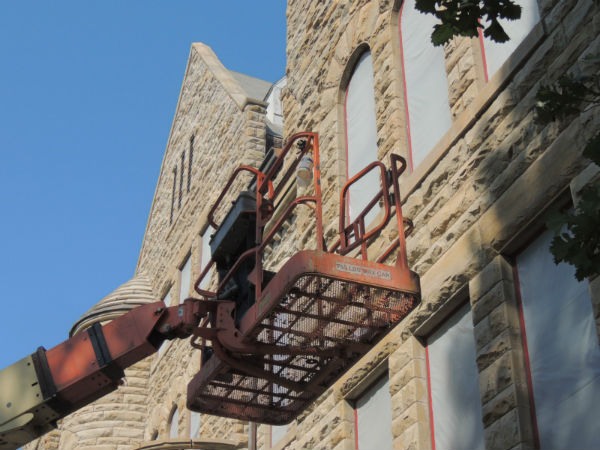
(361, 135)
(206, 255)
(277, 433)
(174, 426)
(186, 277)
(194, 424)
(497, 53)
(425, 82)
(564, 357)
(374, 417)
(167, 301)
(455, 399)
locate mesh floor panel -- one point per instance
(316, 313)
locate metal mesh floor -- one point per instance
(341, 319)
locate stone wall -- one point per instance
(476, 199)
(229, 130)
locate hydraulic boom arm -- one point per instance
(49, 384)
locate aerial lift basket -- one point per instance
(272, 349)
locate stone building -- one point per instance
(502, 352)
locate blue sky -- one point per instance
(88, 90)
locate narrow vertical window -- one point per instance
(181, 178)
(206, 256)
(167, 301)
(361, 136)
(561, 347)
(373, 417)
(173, 194)
(495, 53)
(455, 402)
(186, 278)
(425, 84)
(190, 159)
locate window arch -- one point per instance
(495, 54)
(361, 135)
(425, 84)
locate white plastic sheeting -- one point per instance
(194, 424)
(374, 417)
(174, 425)
(361, 136)
(186, 278)
(497, 53)
(456, 403)
(277, 433)
(564, 356)
(425, 82)
(206, 255)
(163, 346)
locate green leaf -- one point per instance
(425, 6)
(511, 11)
(442, 33)
(495, 32)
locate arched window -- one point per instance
(361, 135)
(425, 83)
(495, 53)
(174, 424)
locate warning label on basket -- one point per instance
(359, 270)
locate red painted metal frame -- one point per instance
(319, 313)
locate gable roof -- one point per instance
(255, 87)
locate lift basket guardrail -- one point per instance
(302, 327)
